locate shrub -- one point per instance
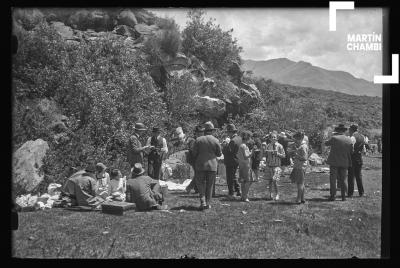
(209, 43)
(100, 86)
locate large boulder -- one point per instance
(235, 72)
(145, 29)
(27, 161)
(66, 32)
(126, 17)
(97, 20)
(143, 16)
(210, 107)
(181, 170)
(179, 62)
(126, 31)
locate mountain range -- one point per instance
(304, 74)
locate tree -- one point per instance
(209, 43)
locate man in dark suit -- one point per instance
(358, 141)
(339, 160)
(206, 149)
(231, 161)
(135, 150)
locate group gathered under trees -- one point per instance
(102, 88)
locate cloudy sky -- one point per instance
(298, 34)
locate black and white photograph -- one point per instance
(200, 132)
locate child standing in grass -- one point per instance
(274, 152)
(117, 186)
(299, 166)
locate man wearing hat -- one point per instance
(158, 149)
(198, 131)
(81, 186)
(135, 149)
(231, 161)
(144, 191)
(358, 141)
(206, 149)
(339, 160)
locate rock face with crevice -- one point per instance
(27, 161)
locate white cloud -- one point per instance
(299, 34)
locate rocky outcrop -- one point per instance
(97, 20)
(27, 161)
(126, 31)
(143, 16)
(66, 32)
(210, 107)
(145, 29)
(126, 17)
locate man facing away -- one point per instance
(357, 140)
(206, 150)
(144, 191)
(339, 160)
(231, 161)
(199, 131)
(158, 151)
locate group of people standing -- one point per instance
(242, 154)
(345, 160)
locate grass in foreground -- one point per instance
(231, 229)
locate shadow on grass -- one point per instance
(187, 208)
(283, 203)
(320, 189)
(319, 199)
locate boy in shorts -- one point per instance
(274, 152)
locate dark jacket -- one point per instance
(358, 147)
(341, 150)
(141, 191)
(206, 150)
(230, 151)
(134, 155)
(82, 187)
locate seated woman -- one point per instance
(103, 180)
(117, 186)
(144, 191)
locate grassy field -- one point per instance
(230, 229)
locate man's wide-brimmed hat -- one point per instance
(140, 126)
(198, 129)
(353, 127)
(298, 135)
(137, 169)
(341, 127)
(208, 126)
(231, 128)
(156, 129)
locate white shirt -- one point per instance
(164, 144)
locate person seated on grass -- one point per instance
(103, 180)
(81, 187)
(117, 186)
(144, 191)
(299, 165)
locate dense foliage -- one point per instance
(209, 43)
(100, 86)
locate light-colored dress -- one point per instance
(244, 159)
(300, 163)
(118, 189)
(103, 185)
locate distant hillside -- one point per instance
(304, 74)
